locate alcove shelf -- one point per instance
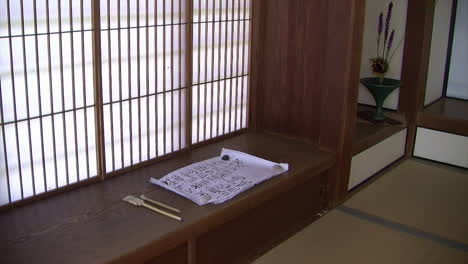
(446, 114)
(442, 132)
(375, 145)
(368, 134)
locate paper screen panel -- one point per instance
(47, 102)
(143, 80)
(221, 32)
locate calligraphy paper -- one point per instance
(216, 180)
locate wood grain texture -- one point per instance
(308, 74)
(238, 240)
(97, 84)
(288, 93)
(256, 63)
(341, 78)
(415, 67)
(92, 224)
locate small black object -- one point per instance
(225, 157)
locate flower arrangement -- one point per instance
(381, 63)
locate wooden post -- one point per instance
(415, 64)
(97, 80)
(341, 81)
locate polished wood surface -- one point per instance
(367, 134)
(449, 115)
(449, 108)
(92, 224)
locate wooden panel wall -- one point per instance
(306, 74)
(288, 98)
(340, 78)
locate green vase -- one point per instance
(380, 91)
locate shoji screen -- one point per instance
(221, 31)
(47, 105)
(144, 77)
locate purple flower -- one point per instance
(380, 28)
(387, 22)
(389, 43)
(381, 63)
(390, 40)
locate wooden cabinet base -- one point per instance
(258, 230)
(177, 255)
(100, 228)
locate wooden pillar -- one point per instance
(340, 83)
(256, 61)
(416, 56)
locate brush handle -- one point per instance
(160, 204)
(162, 212)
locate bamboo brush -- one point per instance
(160, 204)
(139, 202)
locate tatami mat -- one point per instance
(342, 238)
(427, 196)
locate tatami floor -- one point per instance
(416, 212)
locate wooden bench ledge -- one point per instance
(92, 225)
